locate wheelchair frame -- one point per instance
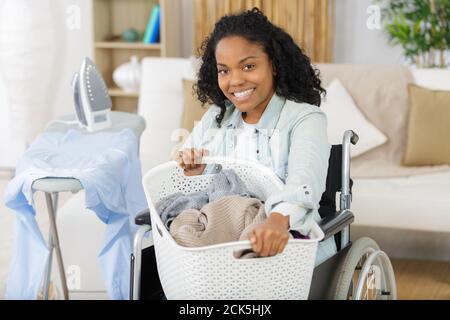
(331, 278)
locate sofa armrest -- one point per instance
(143, 218)
(334, 223)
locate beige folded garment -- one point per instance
(224, 220)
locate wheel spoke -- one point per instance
(367, 273)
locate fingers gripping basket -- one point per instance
(212, 272)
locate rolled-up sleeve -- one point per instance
(309, 152)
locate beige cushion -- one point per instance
(381, 94)
(192, 108)
(428, 140)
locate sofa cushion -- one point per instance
(193, 110)
(342, 114)
(419, 202)
(381, 94)
(428, 128)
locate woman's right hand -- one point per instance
(190, 160)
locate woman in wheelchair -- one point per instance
(265, 101)
(266, 98)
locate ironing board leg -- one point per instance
(48, 270)
(52, 205)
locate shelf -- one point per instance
(127, 45)
(117, 92)
(110, 18)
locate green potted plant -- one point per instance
(422, 29)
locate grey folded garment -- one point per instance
(226, 183)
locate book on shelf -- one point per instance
(151, 34)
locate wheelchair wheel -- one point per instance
(366, 274)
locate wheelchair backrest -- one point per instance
(333, 183)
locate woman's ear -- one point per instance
(274, 70)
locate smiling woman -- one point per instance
(266, 97)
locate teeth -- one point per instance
(243, 93)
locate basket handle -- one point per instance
(239, 245)
(232, 161)
(234, 247)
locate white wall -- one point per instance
(355, 42)
(187, 25)
(75, 45)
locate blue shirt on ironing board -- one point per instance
(107, 165)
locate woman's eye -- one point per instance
(249, 66)
(222, 71)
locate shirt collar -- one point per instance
(269, 118)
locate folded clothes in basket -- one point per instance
(224, 220)
(225, 183)
(228, 219)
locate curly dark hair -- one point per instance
(296, 79)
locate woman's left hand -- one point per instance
(271, 237)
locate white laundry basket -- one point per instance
(212, 272)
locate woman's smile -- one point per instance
(244, 95)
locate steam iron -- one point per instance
(91, 99)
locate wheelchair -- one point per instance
(358, 270)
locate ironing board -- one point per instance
(53, 186)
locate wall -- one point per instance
(76, 43)
(354, 42)
(187, 25)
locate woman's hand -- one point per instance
(271, 237)
(190, 160)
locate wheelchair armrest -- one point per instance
(143, 217)
(335, 222)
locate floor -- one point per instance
(415, 279)
(422, 280)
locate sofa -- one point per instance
(405, 209)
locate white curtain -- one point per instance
(38, 55)
(8, 149)
(27, 52)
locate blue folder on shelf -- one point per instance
(151, 34)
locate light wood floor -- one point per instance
(422, 280)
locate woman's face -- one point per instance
(245, 74)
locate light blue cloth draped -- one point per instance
(107, 165)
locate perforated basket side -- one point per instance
(212, 272)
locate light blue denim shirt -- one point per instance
(291, 139)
